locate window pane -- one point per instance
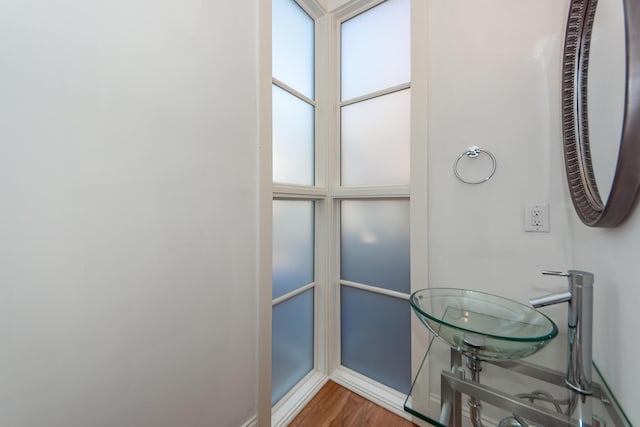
(375, 141)
(293, 46)
(375, 337)
(292, 245)
(292, 345)
(293, 139)
(376, 49)
(375, 243)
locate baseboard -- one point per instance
(251, 422)
(294, 402)
(377, 393)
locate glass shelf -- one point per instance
(513, 381)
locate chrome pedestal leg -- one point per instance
(451, 399)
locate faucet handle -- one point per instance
(576, 277)
(555, 273)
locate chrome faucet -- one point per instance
(580, 322)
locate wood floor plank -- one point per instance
(334, 405)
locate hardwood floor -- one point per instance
(334, 405)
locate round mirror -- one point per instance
(606, 91)
(601, 109)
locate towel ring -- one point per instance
(473, 152)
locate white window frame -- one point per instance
(378, 393)
(289, 406)
(327, 195)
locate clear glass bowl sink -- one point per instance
(481, 325)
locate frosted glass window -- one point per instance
(292, 343)
(293, 46)
(293, 139)
(376, 332)
(376, 49)
(376, 141)
(293, 236)
(375, 243)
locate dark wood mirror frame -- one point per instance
(577, 154)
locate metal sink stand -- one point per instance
(454, 384)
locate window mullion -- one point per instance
(285, 191)
(292, 294)
(293, 92)
(376, 94)
(372, 192)
(323, 134)
(375, 289)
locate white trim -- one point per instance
(313, 8)
(289, 191)
(323, 99)
(320, 301)
(296, 399)
(334, 145)
(354, 8)
(265, 212)
(293, 92)
(333, 182)
(292, 294)
(376, 94)
(322, 305)
(390, 399)
(371, 192)
(336, 333)
(251, 422)
(375, 289)
(419, 206)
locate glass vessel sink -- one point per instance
(483, 326)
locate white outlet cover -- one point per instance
(536, 217)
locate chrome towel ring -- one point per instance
(473, 152)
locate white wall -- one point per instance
(128, 135)
(494, 81)
(612, 255)
(494, 76)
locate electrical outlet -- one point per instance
(536, 217)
